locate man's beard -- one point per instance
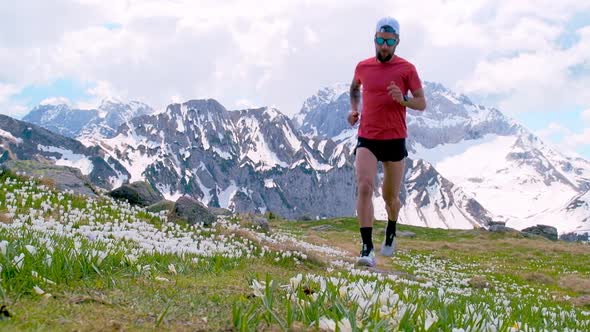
(382, 58)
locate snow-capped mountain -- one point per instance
(509, 172)
(247, 160)
(574, 215)
(514, 176)
(24, 141)
(468, 164)
(110, 116)
(324, 113)
(86, 124)
(60, 119)
(431, 200)
(578, 209)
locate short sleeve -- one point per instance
(414, 82)
(357, 76)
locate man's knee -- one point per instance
(365, 187)
(393, 202)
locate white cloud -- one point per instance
(311, 37)
(539, 80)
(586, 116)
(7, 90)
(577, 140)
(7, 105)
(105, 89)
(177, 99)
(280, 52)
(245, 104)
(568, 139)
(56, 101)
(13, 109)
(553, 129)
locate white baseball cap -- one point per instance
(387, 24)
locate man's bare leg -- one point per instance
(392, 180)
(393, 172)
(366, 170)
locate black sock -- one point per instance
(367, 235)
(390, 232)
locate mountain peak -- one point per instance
(73, 122)
(45, 107)
(57, 101)
(439, 89)
(269, 113)
(210, 105)
(327, 94)
(336, 89)
(110, 101)
(203, 103)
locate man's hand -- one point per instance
(353, 117)
(395, 93)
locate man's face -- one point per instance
(386, 49)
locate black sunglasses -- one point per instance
(381, 41)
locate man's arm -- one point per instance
(355, 95)
(417, 102)
(355, 99)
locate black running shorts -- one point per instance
(384, 150)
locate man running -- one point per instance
(386, 80)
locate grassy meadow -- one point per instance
(71, 263)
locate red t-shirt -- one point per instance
(382, 117)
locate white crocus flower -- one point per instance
(295, 281)
(343, 291)
(18, 261)
(47, 260)
(431, 318)
(258, 288)
(327, 324)
(100, 256)
(3, 246)
(314, 297)
(131, 258)
(38, 290)
(344, 325)
(172, 269)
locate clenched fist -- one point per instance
(353, 117)
(395, 93)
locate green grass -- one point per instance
(443, 279)
(195, 299)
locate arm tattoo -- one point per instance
(355, 93)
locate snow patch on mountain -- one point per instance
(68, 158)
(10, 137)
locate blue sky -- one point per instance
(530, 59)
(113, 26)
(72, 90)
(569, 36)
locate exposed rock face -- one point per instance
(163, 205)
(548, 232)
(24, 141)
(192, 211)
(574, 237)
(62, 177)
(260, 161)
(137, 193)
